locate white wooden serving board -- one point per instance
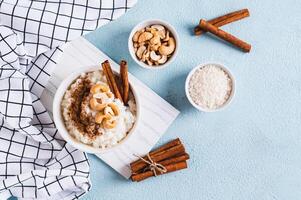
(156, 114)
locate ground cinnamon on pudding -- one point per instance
(82, 120)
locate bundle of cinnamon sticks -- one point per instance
(171, 157)
(121, 91)
(213, 25)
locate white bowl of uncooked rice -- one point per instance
(210, 87)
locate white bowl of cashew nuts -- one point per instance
(153, 44)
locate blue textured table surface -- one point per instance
(252, 149)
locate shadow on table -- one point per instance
(190, 29)
(176, 94)
(113, 174)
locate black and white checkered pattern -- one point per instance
(35, 163)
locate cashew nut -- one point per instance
(150, 29)
(106, 120)
(95, 105)
(155, 39)
(136, 36)
(109, 94)
(154, 56)
(158, 27)
(155, 47)
(99, 117)
(99, 88)
(112, 109)
(162, 60)
(135, 44)
(140, 51)
(145, 55)
(149, 62)
(162, 33)
(169, 49)
(104, 97)
(109, 124)
(166, 36)
(142, 43)
(144, 36)
(108, 111)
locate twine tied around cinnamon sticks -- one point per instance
(213, 25)
(152, 165)
(167, 158)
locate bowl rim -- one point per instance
(147, 23)
(232, 94)
(58, 118)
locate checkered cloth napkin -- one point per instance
(35, 163)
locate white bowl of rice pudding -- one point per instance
(87, 114)
(210, 87)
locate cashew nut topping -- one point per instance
(108, 110)
(169, 49)
(109, 94)
(99, 117)
(109, 124)
(115, 108)
(99, 88)
(154, 44)
(95, 105)
(104, 97)
(101, 101)
(106, 120)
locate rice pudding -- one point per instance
(93, 115)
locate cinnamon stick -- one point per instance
(171, 152)
(176, 159)
(111, 79)
(124, 80)
(104, 69)
(225, 36)
(225, 19)
(159, 150)
(170, 168)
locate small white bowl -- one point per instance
(148, 23)
(200, 108)
(59, 121)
